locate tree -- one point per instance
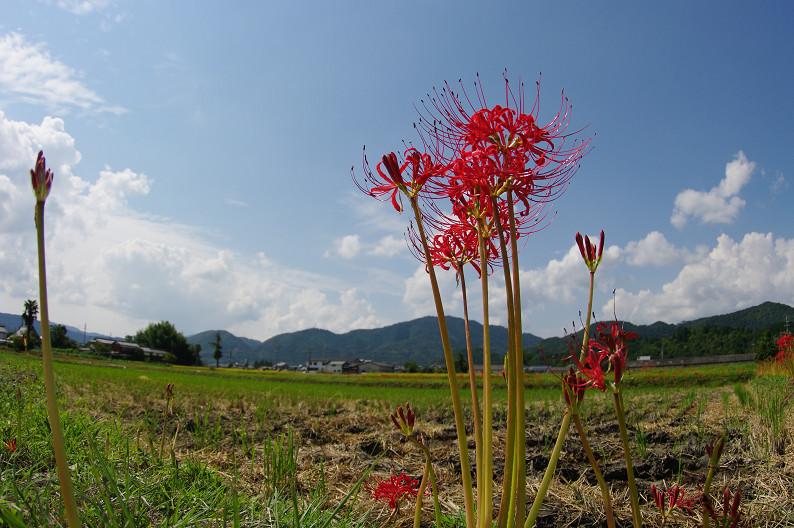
(766, 347)
(461, 365)
(59, 338)
(29, 315)
(163, 336)
(218, 349)
(411, 367)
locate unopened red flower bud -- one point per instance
(41, 178)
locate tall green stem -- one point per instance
(714, 461)
(428, 473)
(463, 449)
(485, 495)
(509, 483)
(520, 459)
(596, 470)
(544, 484)
(475, 402)
(624, 438)
(586, 334)
(67, 491)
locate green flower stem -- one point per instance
(475, 403)
(463, 449)
(485, 494)
(165, 423)
(428, 472)
(714, 462)
(599, 477)
(19, 416)
(519, 457)
(586, 334)
(578, 423)
(624, 437)
(544, 484)
(509, 482)
(67, 491)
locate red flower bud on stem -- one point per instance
(406, 420)
(41, 178)
(587, 249)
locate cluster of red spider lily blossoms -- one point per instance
(785, 347)
(608, 350)
(395, 488)
(480, 169)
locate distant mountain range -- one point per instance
(419, 341)
(12, 322)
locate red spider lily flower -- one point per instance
(592, 369)
(615, 341)
(675, 499)
(526, 158)
(785, 346)
(395, 488)
(11, 445)
(404, 421)
(588, 250)
(454, 248)
(730, 509)
(41, 178)
(616, 337)
(612, 347)
(391, 183)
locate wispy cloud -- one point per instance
(82, 7)
(29, 74)
(236, 203)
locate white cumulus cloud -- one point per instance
(348, 246)
(116, 268)
(656, 250)
(388, 246)
(732, 276)
(720, 205)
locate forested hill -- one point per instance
(749, 330)
(752, 330)
(417, 340)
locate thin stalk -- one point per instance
(165, 423)
(624, 438)
(714, 461)
(520, 459)
(463, 449)
(586, 334)
(475, 403)
(58, 444)
(428, 472)
(485, 495)
(544, 484)
(508, 502)
(601, 482)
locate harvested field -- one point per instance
(238, 424)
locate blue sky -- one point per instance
(202, 155)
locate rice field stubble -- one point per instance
(241, 445)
